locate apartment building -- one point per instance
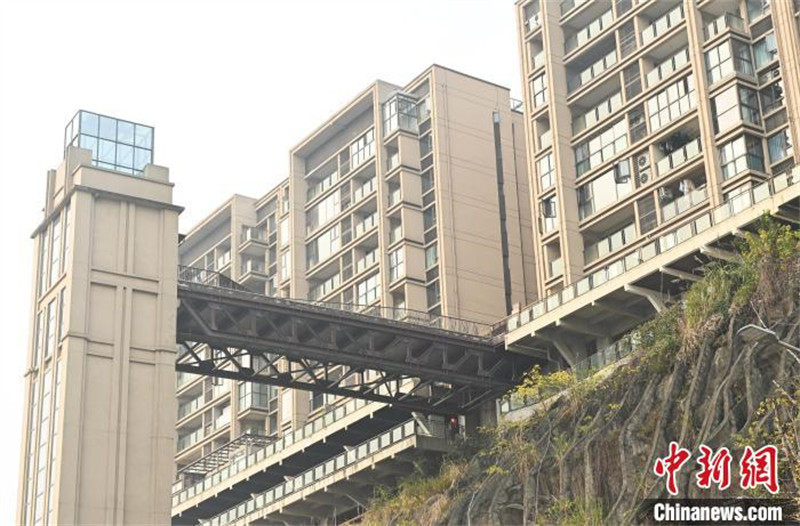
(677, 128)
(409, 201)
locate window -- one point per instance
(431, 255)
(400, 112)
(546, 170)
(671, 102)
(253, 394)
(287, 406)
(368, 291)
(119, 145)
(284, 233)
(765, 50)
(429, 217)
(44, 258)
(726, 58)
(740, 154)
(549, 214)
(734, 105)
(607, 189)
(62, 322)
(602, 147)
(779, 146)
(598, 113)
(55, 251)
(321, 213)
(433, 293)
(396, 265)
(38, 338)
(323, 247)
(772, 96)
(286, 269)
(66, 246)
(362, 149)
(539, 90)
(316, 400)
(50, 342)
(427, 180)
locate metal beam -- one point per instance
(617, 308)
(718, 253)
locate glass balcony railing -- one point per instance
(662, 24)
(556, 267)
(722, 23)
(585, 34)
(366, 224)
(668, 67)
(190, 407)
(254, 266)
(315, 427)
(223, 260)
(595, 70)
(683, 203)
(253, 234)
(661, 245)
(364, 190)
(293, 485)
(189, 440)
(679, 157)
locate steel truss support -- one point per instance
(250, 337)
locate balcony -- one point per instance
(406, 436)
(556, 267)
(610, 244)
(190, 407)
(668, 67)
(585, 34)
(366, 189)
(253, 266)
(664, 243)
(683, 203)
(592, 72)
(223, 261)
(679, 157)
(254, 234)
(189, 440)
(366, 224)
(723, 23)
(661, 25)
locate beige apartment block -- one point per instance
(656, 130)
(409, 201)
(100, 407)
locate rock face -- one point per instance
(587, 456)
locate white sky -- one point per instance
(230, 87)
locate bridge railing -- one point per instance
(212, 278)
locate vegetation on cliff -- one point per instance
(585, 456)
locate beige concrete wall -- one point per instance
(117, 417)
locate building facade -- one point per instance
(674, 112)
(409, 201)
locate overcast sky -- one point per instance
(230, 87)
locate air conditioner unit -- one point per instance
(620, 176)
(643, 176)
(665, 194)
(642, 160)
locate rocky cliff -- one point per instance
(586, 454)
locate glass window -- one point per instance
(546, 170)
(50, 342)
(66, 246)
(286, 269)
(429, 217)
(607, 189)
(671, 102)
(368, 290)
(735, 105)
(284, 232)
(765, 50)
(396, 265)
(125, 132)
(740, 154)
(549, 214)
(602, 147)
(55, 251)
(323, 212)
(772, 96)
(431, 255)
(729, 57)
(62, 321)
(323, 247)
(44, 258)
(779, 146)
(434, 294)
(400, 112)
(539, 90)
(362, 149)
